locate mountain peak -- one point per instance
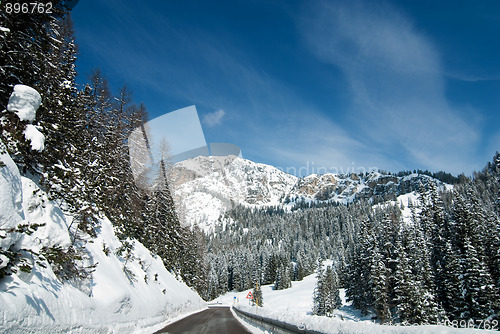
(206, 187)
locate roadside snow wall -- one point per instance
(114, 301)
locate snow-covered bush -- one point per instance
(24, 102)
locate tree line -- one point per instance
(85, 164)
(442, 263)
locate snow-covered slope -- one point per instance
(294, 306)
(11, 202)
(206, 187)
(110, 302)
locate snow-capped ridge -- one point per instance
(206, 187)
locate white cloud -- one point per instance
(394, 75)
(214, 118)
(471, 77)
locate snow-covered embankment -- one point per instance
(137, 299)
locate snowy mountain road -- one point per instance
(215, 320)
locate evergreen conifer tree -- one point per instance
(26, 45)
(257, 295)
(379, 277)
(283, 280)
(331, 291)
(479, 293)
(318, 295)
(326, 297)
(453, 301)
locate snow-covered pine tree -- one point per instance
(379, 280)
(236, 279)
(479, 292)
(163, 230)
(124, 199)
(405, 287)
(217, 276)
(326, 296)
(387, 258)
(257, 295)
(94, 101)
(64, 126)
(193, 265)
(496, 256)
(270, 270)
(283, 280)
(331, 291)
(492, 248)
(299, 271)
(453, 301)
(434, 225)
(318, 294)
(181, 250)
(59, 115)
(26, 41)
(256, 269)
(223, 275)
(471, 237)
(496, 160)
(358, 285)
(415, 295)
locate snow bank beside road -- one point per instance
(293, 306)
(112, 302)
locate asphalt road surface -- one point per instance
(215, 320)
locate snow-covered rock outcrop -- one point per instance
(207, 187)
(24, 102)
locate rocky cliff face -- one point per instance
(206, 187)
(375, 187)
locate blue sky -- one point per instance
(340, 85)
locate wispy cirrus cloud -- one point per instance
(214, 118)
(269, 120)
(394, 75)
(463, 76)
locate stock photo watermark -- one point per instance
(311, 167)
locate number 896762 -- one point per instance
(28, 8)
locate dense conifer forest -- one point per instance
(85, 164)
(442, 263)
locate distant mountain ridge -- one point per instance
(206, 187)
